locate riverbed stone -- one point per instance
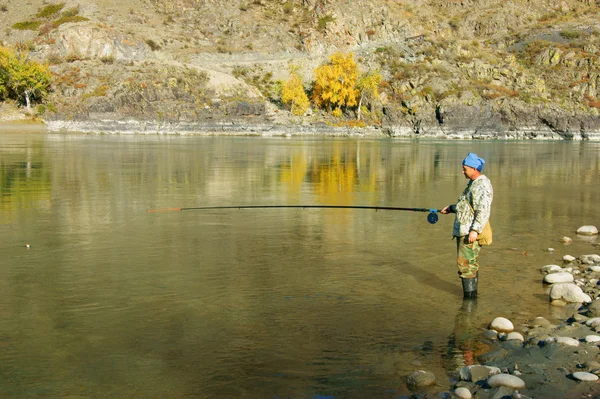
(594, 268)
(593, 322)
(541, 322)
(462, 393)
(593, 309)
(584, 376)
(515, 336)
(566, 240)
(569, 258)
(421, 378)
(491, 334)
(561, 277)
(592, 338)
(502, 324)
(568, 292)
(567, 341)
(587, 230)
(500, 392)
(591, 259)
(506, 380)
(550, 268)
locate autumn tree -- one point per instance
(21, 78)
(334, 85)
(368, 87)
(294, 96)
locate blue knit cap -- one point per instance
(473, 161)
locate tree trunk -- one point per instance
(359, 105)
(27, 101)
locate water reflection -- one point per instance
(111, 301)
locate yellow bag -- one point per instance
(485, 237)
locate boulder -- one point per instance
(568, 292)
(587, 230)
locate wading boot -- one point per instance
(470, 287)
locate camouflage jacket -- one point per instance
(473, 207)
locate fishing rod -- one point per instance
(432, 217)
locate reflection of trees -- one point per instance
(24, 177)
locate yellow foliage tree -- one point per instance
(335, 82)
(293, 95)
(368, 86)
(23, 79)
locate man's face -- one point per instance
(469, 172)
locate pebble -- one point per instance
(592, 259)
(506, 380)
(502, 324)
(550, 268)
(462, 393)
(594, 268)
(569, 258)
(592, 338)
(567, 341)
(593, 322)
(566, 240)
(421, 378)
(491, 334)
(561, 277)
(583, 376)
(515, 336)
(541, 322)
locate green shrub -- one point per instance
(71, 12)
(153, 45)
(64, 20)
(50, 10)
(27, 25)
(570, 34)
(323, 21)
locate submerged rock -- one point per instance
(506, 380)
(421, 378)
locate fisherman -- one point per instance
(472, 215)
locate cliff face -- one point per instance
(470, 68)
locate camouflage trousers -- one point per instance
(467, 257)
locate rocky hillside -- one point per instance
(469, 68)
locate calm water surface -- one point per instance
(111, 301)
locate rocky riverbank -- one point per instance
(537, 358)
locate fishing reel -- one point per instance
(432, 218)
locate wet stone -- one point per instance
(491, 334)
(501, 324)
(506, 380)
(463, 393)
(583, 376)
(421, 378)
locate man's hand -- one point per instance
(473, 236)
(445, 210)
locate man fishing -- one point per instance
(472, 215)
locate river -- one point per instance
(102, 299)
